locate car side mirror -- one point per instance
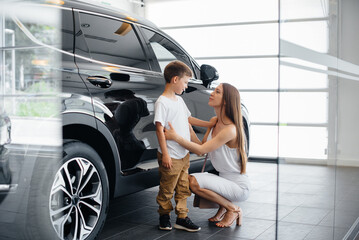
(208, 74)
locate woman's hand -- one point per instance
(213, 121)
(170, 133)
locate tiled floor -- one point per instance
(315, 202)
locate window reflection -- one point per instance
(30, 68)
(111, 41)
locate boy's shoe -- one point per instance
(165, 223)
(186, 224)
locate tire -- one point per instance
(69, 201)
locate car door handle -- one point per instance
(100, 81)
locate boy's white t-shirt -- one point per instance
(176, 112)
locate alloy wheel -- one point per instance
(76, 199)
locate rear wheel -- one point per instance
(77, 197)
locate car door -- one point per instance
(113, 63)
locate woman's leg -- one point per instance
(233, 212)
(210, 195)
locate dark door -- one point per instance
(75, 96)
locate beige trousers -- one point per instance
(174, 180)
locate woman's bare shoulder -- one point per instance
(229, 130)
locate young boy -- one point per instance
(173, 159)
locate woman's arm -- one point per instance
(224, 136)
(206, 135)
(194, 137)
(201, 123)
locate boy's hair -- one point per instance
(176, 68)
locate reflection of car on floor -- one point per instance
(110, 74)
(5, 175)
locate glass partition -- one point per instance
(29, 114)
(318, 114)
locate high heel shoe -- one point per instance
(215, 221)
(238, 218)
(221, 212)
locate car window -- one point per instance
(112, 41)
(165, 50)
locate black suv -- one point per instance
(110, 75)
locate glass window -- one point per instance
(294, 9)
(292, 77)
(236, 40)
(264, 141)
(112, 41)
(161, 12)
(263, 106)
(248, 73)
(303, 142)
(311, 34)
(165, 50)
(304, 107)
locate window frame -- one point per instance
(152, 55)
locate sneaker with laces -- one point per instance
(186, 224)
(165, 223)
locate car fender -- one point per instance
(86, 128)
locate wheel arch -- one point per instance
(85, 129)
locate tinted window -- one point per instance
(165, 50)
(112, 41)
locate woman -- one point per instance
(225, 146)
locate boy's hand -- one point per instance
(213, 121)
(166, 161)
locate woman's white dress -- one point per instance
(230, 183)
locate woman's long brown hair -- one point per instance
(231, 102)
